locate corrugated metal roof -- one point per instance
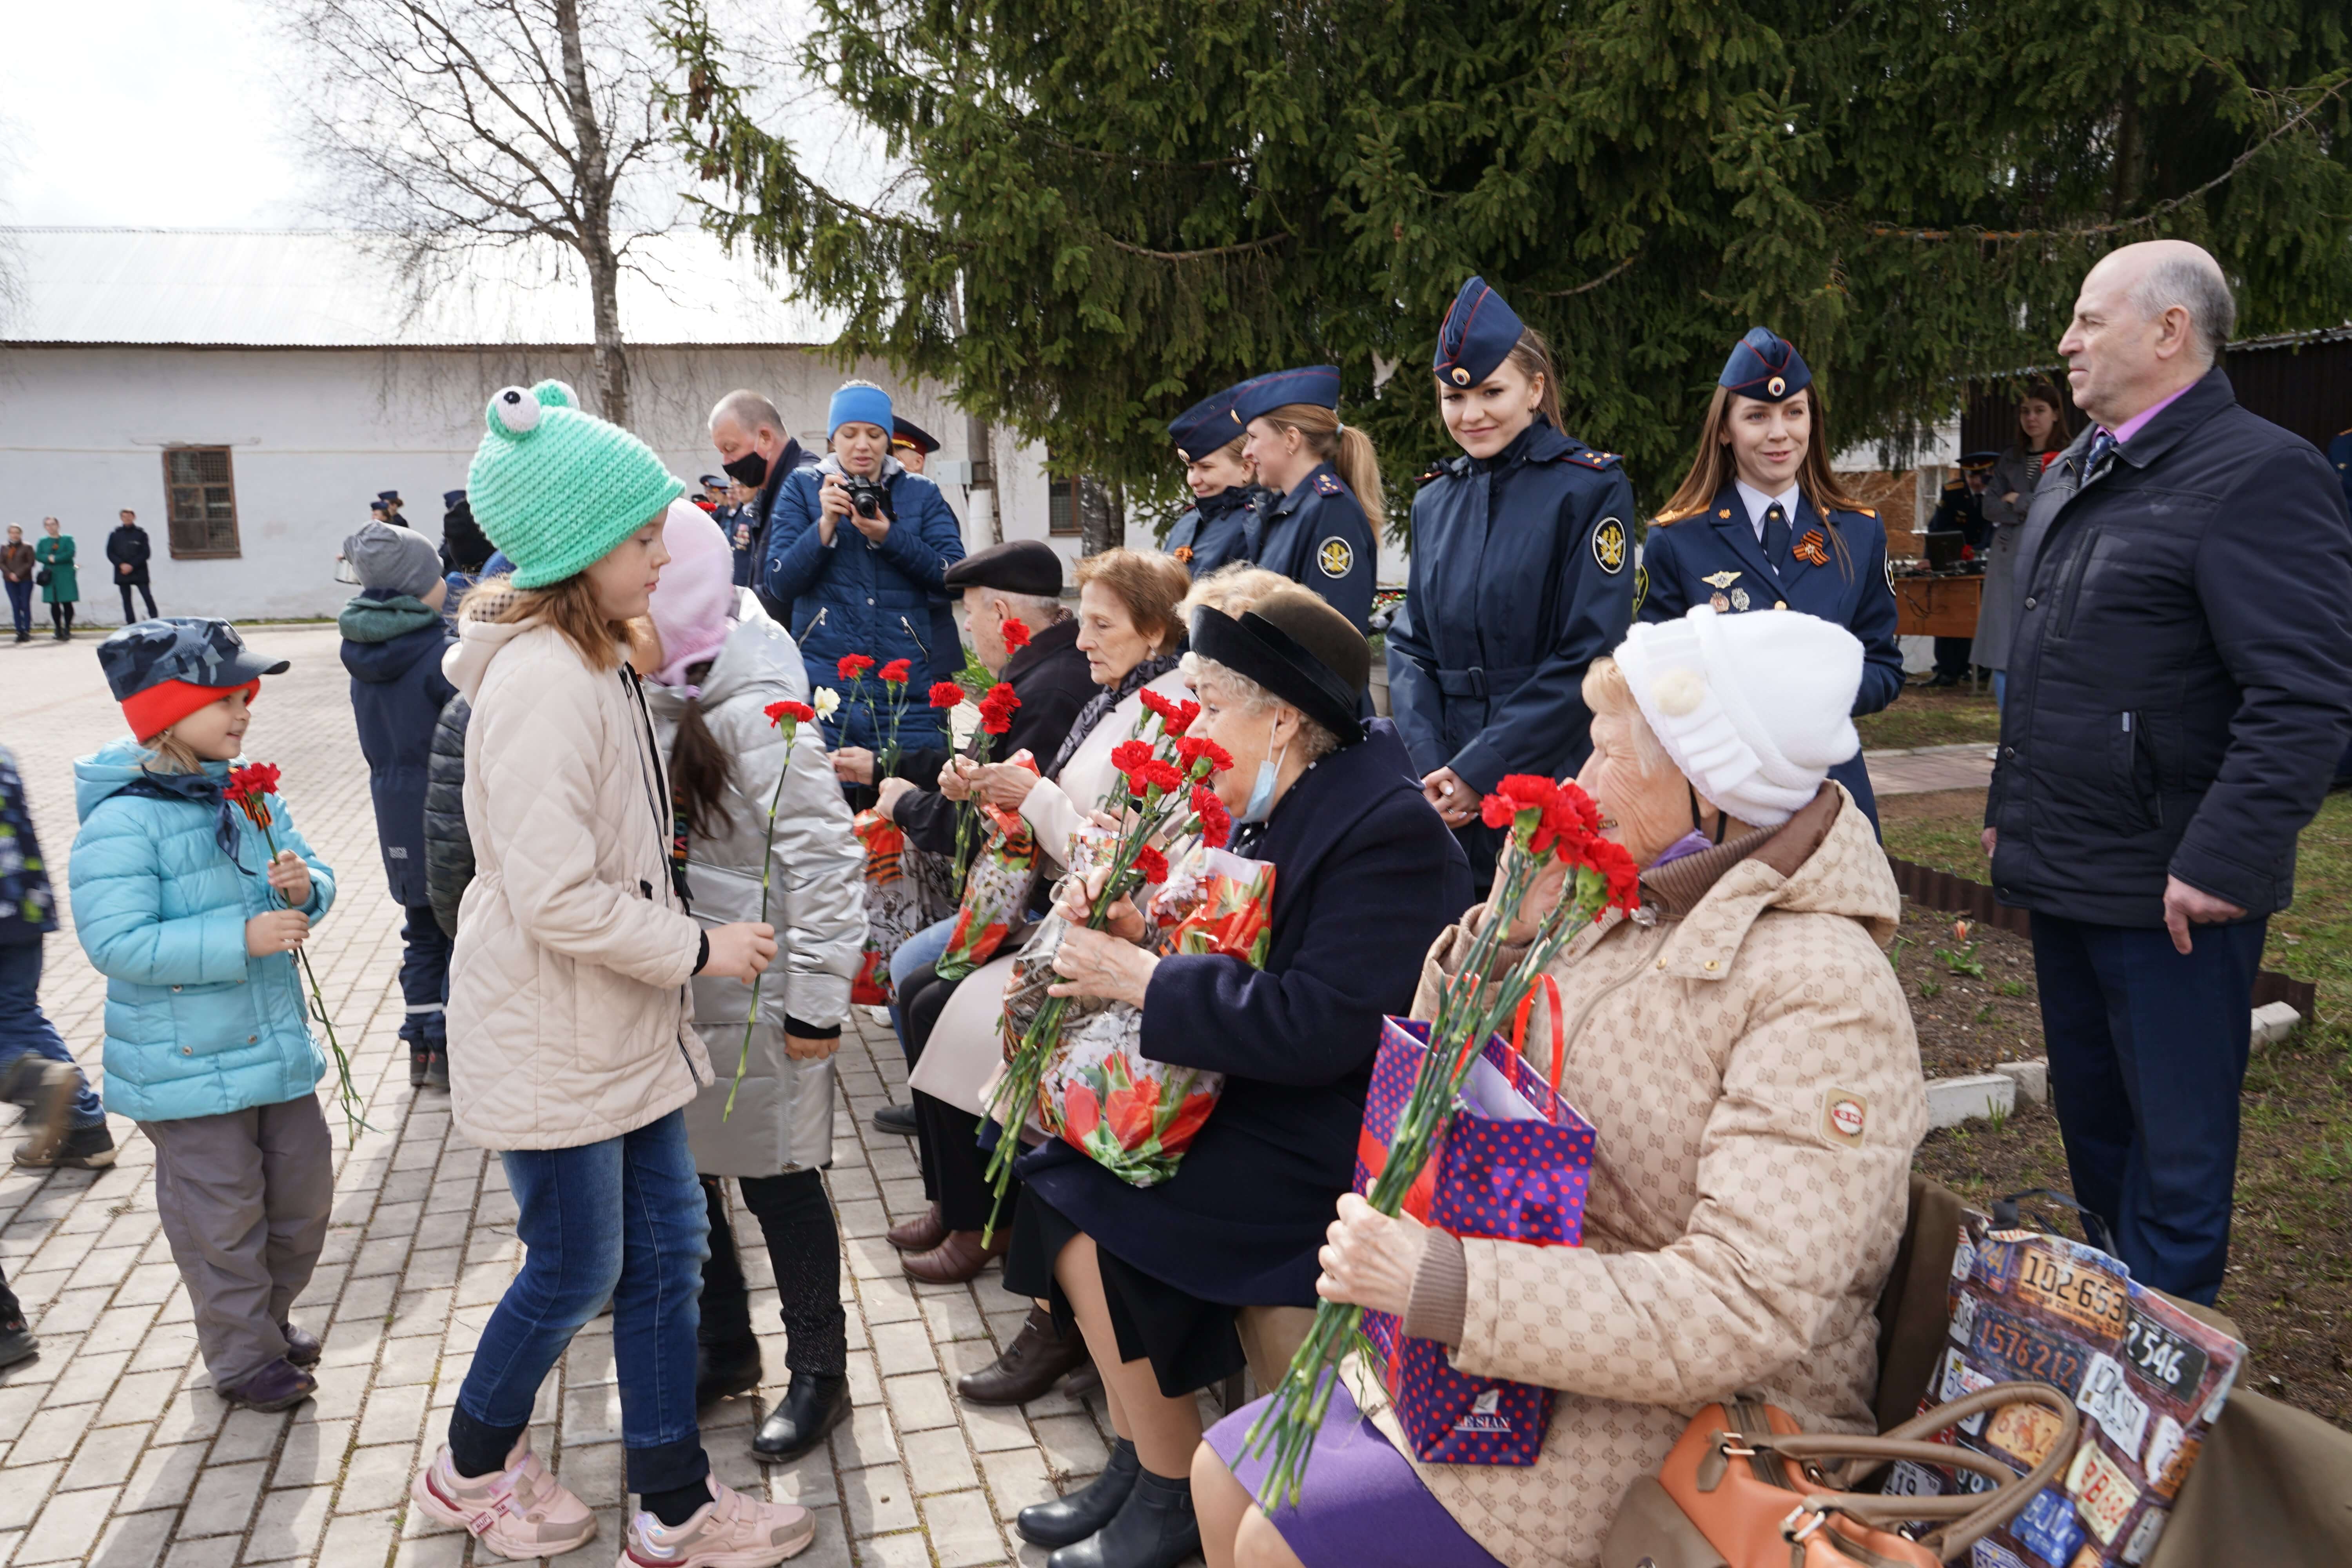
(313, 288)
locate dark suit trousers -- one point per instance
(144, 592)
(2147, 1051)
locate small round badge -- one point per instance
(1777, 385)
(1461, 376)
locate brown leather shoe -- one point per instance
(957, 1259)
(920, 1234)
(1031, 1364)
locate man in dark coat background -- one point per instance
(756, 451)
(128, 548)
(2179, 690)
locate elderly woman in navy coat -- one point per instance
(1365, 876)
(1227, 520)
(1322, 522)
(1760, 523)
(1522, 574)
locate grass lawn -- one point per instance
(1927, 716)
(2290, 1282)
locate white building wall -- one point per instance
(315, 433)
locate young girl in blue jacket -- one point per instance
(180, 904)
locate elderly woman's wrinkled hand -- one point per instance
(1369, 1259)
(1076, 906)
(1542, 894)
(1002, 785)
(1096, 963)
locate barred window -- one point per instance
(201, 501)
(1072, 503)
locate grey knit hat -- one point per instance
(392, 562)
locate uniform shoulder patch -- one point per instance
(1336, 556)
(1592, 459)
(1869, 511)
(1328, 485)
(1845, 1117)
(1609, 546)
(1435, 471)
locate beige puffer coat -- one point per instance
(568, 1006)
(1750, 1062)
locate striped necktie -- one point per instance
(2103, 446)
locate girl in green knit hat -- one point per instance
(569, 1018)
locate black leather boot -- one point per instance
(725, 1369)
(1067, 1521)
(814, 1405)
(1155, 1529)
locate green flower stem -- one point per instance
(346, 1094)
(766, 865)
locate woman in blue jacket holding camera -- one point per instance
(858, 546)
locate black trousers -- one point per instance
(804, 1249)
(1952, 657)
(61, 616)
(144, 592)
(947, 1137)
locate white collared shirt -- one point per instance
(1758, 503)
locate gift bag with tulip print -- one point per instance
(995, 891)
(893, 906)
(1512, 1166)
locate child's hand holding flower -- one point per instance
(290, 877)
(275, 931)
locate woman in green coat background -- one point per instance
(54, 554)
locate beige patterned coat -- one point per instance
(1752, 1071)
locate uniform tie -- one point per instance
(1776, 535)
(2102, 445)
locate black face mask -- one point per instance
(751, 469)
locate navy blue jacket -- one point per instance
(1226, 527)
(394, 652)
(1517, 582)
(763, 510)
(1716, 558)
(1318, 537)
(887, 600)
(1366, 877)
(2180, 683)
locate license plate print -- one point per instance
(2107, 1397)
(2103, 1493)
(2081, 1293)
(1960, 1378)
(2027, 1351)
(2048, 1527)
(2163, 1357)
(2025, 1432)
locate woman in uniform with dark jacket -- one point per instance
(1522, 576)
(1365, 876)
(1322, 528)
(1227, 520)
(1760, 524)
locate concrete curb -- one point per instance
(1966, 1096)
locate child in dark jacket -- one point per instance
(393, 637)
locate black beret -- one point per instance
(1016, 566)
(1297, 648)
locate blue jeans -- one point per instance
(20, 606)
(919, 951)
(623, 1219)
(2000, 688)
(2147, 1053)
(26, 1030)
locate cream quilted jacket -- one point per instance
(568, 1004)
(1750, 1062)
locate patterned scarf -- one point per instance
(200, 789)
(1098, 708)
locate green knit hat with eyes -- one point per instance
(558, 490)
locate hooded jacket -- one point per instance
(568, 1009)
(815, 899)
(194, 1025)
(393, 648)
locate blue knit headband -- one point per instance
(861, 404)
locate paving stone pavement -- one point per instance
(114, 1449)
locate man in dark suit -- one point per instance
(2179, 690)
(756, 451)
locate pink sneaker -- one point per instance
(730, 1531)
(521, 1512)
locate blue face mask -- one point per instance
(1260, 800)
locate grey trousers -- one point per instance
(244, 1198)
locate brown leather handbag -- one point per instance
(1745, 1489)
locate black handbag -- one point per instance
(41, 577)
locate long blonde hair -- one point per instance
(569, 607)
(1346, 448)
(1715, 467)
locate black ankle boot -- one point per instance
(1067, 1521)
(721, 1371)
(814, 1405)
(1154, 1529)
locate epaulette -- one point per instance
(1869, 511)
(1592, 459)
(1435, 471)
(1329, 485)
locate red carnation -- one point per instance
(1174, 717)
(1129, 755)
(1609, 857)
(947, 694)
(1153, 864)
(1015, 633)
(799, 713)
(996, 709)
(1154, 774)
(854, 665)
(898, 671)
(248, 783)
(1194, 751)
(1216, 822)
(1515, 794)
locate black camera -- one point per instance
(867, 496)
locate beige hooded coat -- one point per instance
(568, 1007)
(1750, 1062)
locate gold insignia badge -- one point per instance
(1461, 376)
(1609, 545)
(1777, 385)
(1720, 579)
(1717, 603)
(1336, 556)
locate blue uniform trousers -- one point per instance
(2147, 1050)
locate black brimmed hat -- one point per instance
(1297, 648)
(1016, 566)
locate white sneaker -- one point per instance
(521, 1512)
(730, 1531)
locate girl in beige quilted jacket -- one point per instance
(568, 997)
(1745, 1051)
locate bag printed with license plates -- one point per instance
(2149, 1378)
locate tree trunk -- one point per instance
(1102, 517)
(609, 358)
(594, 214)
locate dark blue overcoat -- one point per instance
(1220, 529)
(1318, 537)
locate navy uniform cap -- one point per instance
(202, 652)
(1206, 426)
(906, 433)
(716, 482)
(387, 496)
(451, 500)
(1479, 332)
(1766, 366)
(1979, 459)
(1317, 385)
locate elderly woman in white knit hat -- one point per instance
(1743, 1047)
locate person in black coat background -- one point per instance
(393, 637)
(1522, 574)
(2179, 690)
(128, 550)
(464, 548)
(756, 450)
(1365, 877)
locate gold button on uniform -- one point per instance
(1710, 963)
